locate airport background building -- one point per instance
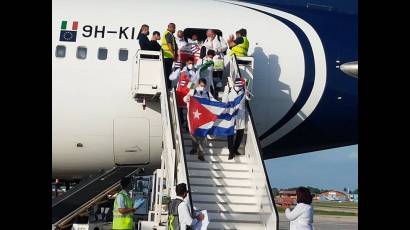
(332, 195)
(286, 197)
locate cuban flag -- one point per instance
(212, 117)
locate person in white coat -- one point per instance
(200, 91)
(234, 141)
(301, 217)
(205, 67)
(215, 42)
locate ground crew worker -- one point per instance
(180, 217)
(240, 45)
(170, 49)
(123, 207)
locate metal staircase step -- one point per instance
(217, 166)
(220, 181)
(221, 190)
(213, 151)
(234, 217)
(218, 174)
(217, 159)
(234, 226)
(224, 199)
(251, 208)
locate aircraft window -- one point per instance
(102, 53)
(60, 51)
(123, 55)
(81, 52)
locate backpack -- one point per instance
(173, 219)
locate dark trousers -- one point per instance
(213, 92)
(168, 70)
(234, 141)
(198, 144)
(183, 122)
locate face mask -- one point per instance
(190, 66)
(200, 88)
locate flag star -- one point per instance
(197, 114)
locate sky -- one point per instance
(327, 169)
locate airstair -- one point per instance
(87, 193)
(236, 193)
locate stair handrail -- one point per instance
(180, 150)
(234, 69)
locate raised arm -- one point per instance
(295, 213)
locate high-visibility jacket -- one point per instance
(164, 45)
(241, 50)
(122, 221)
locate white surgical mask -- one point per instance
(190, 66)
(200, 88)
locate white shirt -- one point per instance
(180, 42)
(207, 73)
(240, 118)
(184, 215)
(192, 41)
(301, 217)
(215, 44)
(193, 75)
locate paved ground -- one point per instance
(322, 222)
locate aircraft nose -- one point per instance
(350, 68)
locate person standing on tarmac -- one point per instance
(180, 217)
(123, 207)
(170, 49)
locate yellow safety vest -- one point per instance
(122, 221)
(241, 49)
(164, 46)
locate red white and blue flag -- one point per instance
(212, 117)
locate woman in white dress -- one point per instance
(301, 217)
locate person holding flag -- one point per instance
(187, 78)
(239, 115)
(198, 116)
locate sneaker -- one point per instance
(201, 158)
(192, 152)
(210, 137)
